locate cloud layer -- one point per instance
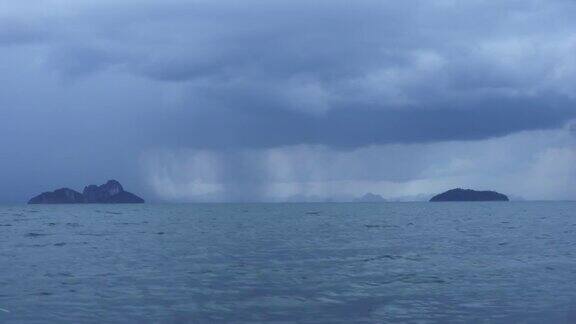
(93, 87)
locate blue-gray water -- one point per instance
(308, 263)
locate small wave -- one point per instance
(417, 279)
(34, 245)
(59, 274)
(409, 257)
(381, 226)
(387, 256)
(93, 234)
(36, 234)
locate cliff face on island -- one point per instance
(469, 195)
(111, 192)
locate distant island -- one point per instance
(370, 197)
(111, 192)
(469, 195)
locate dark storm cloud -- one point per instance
(349, 128)
(282, 73)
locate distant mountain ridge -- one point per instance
(111, 192)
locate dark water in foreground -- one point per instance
(308, 263)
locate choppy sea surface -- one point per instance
(307, 263)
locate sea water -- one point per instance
(307, 263)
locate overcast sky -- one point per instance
(254, 100)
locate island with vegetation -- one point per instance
(111, 192)
(459, 194)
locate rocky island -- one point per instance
(111, 192)
(370, 198)
(469, 195)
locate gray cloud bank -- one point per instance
(95, 85)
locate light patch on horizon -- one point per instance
(529, 165)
